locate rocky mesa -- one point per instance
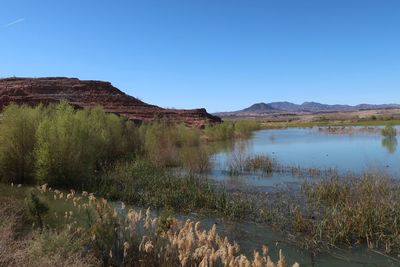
(88, 93)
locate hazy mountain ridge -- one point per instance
(306, 107)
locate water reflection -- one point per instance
(390, 143)
(311, 148)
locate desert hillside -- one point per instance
(86, 93)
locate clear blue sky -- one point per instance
(219, 54)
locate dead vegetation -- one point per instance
(115, 236)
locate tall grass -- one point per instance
(143, 183)
(116, 236)
(265, 165)
(347, 210)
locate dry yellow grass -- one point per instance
(28, 250)
(119, 237)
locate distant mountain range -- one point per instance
(306, 107)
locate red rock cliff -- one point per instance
(86, 94)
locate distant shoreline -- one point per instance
(378, 117)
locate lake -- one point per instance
(358, 151)
(312, 148)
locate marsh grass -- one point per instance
(261, 163)
(114, 236)
(350, 210)
(23, 245)
(195, 160)
(143, 183)
(264, 165)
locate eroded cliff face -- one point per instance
(86, 94)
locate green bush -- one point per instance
(61, 145)
(218, 132)
(229, 130)
(389, 131)
(37, 208)
(17, 140)
(163, 140)
(72, 145)
(244, 128)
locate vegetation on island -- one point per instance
(389, 131)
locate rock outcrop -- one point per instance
(86, 94)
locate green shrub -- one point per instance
(163, 140)
(218, 132)
(244, 128)
(72, 145)
(17, 140)
(228, 130)
(389, 131)
(37, 208)
(334, 211)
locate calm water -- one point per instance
(310, 148)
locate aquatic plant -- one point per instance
(266, 165)
(261, 163)
(144, 183)
(389, 131)
(347, 210)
